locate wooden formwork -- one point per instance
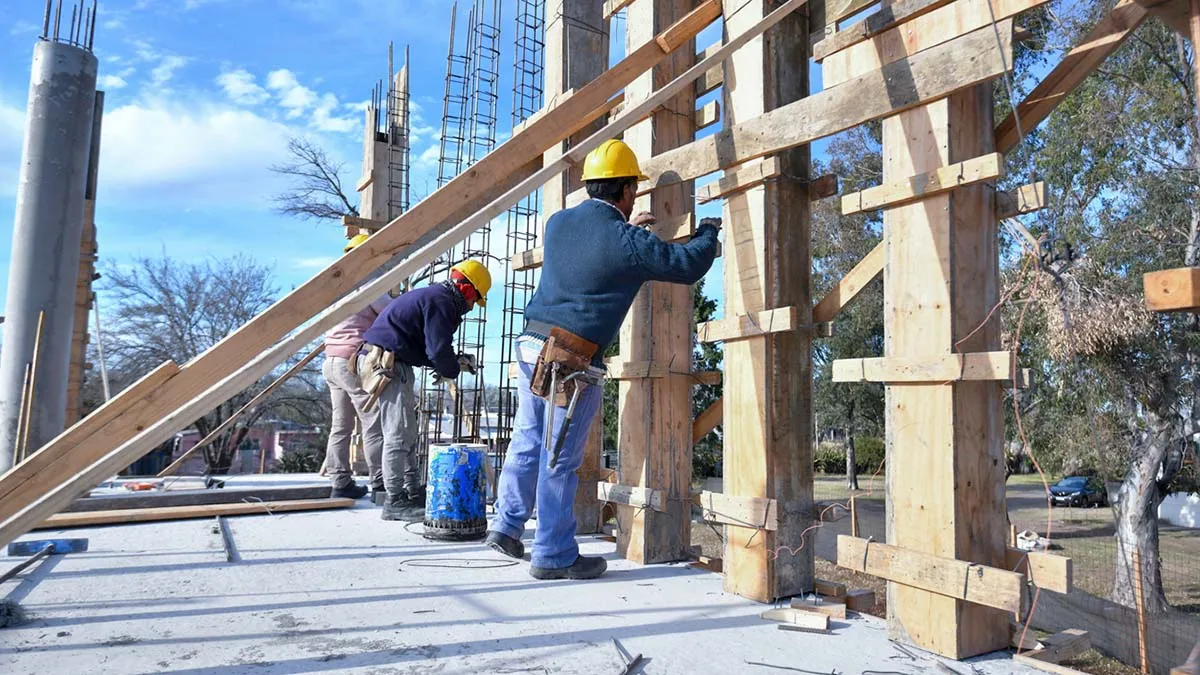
(922, 67)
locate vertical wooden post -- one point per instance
(853, 516)
(945, 473)
(768, 379)
(656, 414)
(1140, 599)
(576, 53)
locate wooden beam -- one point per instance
(712, 78)
(923, 185)
(631, 495)
(767, 433)
(247, 354)
(797, 617)
(840, 296)
(1025, 199)
(926, 76)
(125, 516)
(528, 260)
(613, 6)
(889, 15)
(836, 10)
(783, 319)
(753, 512)
(1105, 37)
(743, 179)
(934, 29)
(943, 369)
(706, 421)
(708, 115)
(363, 223)
(823, 186)
(1174, 290)
(978, 584)
(1044, 570)
(641, 370)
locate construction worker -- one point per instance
(595, 261)
(342, 344)
(416, 330)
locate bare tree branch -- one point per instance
(316, 190)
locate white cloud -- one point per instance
(166, 68)
(194, 151)
(240, 86)
(429, 158)
(296, 98)
(24, 28)
(111, 82)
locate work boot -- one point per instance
(378, 496)
(583, 568)
(351, 491)
(505, 544)
(407, 507)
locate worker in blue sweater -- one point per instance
(415, 330)
(595, 261)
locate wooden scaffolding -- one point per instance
(925, 69)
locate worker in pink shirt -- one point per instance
(341, 374)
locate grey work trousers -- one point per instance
(348, 398)
(398, 418)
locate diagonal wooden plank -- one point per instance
(33, 510)
(889, 15)
(1105, 37)
(839, 297)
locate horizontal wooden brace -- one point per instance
(708, 114)
(1044, 570)
(686, 28)
(535, 257)
(744, 178)
(888, 16)
(363, 223)
(923, 185)
(631, 495)
(613, 6)
(640, 370)
(1025, 199)
(757, 513)
(930, 369)
(712, 78)
(978, 584)
(742, 326)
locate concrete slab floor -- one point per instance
(344, 592)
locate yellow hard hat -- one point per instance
(613, 159)
(478, 275)
(355, 241)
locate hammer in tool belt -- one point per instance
(562, 364)
(380, 365)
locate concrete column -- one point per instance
(46, 237)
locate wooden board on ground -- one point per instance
(144, 500)
(797, 617)
(860, 599)
(124, 516)
(834, 610)
(829, 588)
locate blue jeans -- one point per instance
(527, 475)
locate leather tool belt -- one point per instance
(376, 372)
(564, 354)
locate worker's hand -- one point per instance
(643, 219)
(438, 380)
(467, 362)
(711, 222)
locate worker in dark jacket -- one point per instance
(416, 330)
(595, 262)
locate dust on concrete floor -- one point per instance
(342, 591)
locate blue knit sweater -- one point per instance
(419, 326)
(595, 263)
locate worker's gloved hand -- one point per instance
(643, 219)
(438, 380)
(467, 362)
(714, 223)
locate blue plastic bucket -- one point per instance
(456, 492)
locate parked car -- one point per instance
(1079, 491)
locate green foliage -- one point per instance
(707, 453)
(830, 458)
(300, 461)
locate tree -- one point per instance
(839, 243)
(1121, 155)
(161, 309)
(706, 356)
(316, 191)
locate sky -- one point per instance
(201, 97)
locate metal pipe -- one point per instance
(47, 230)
